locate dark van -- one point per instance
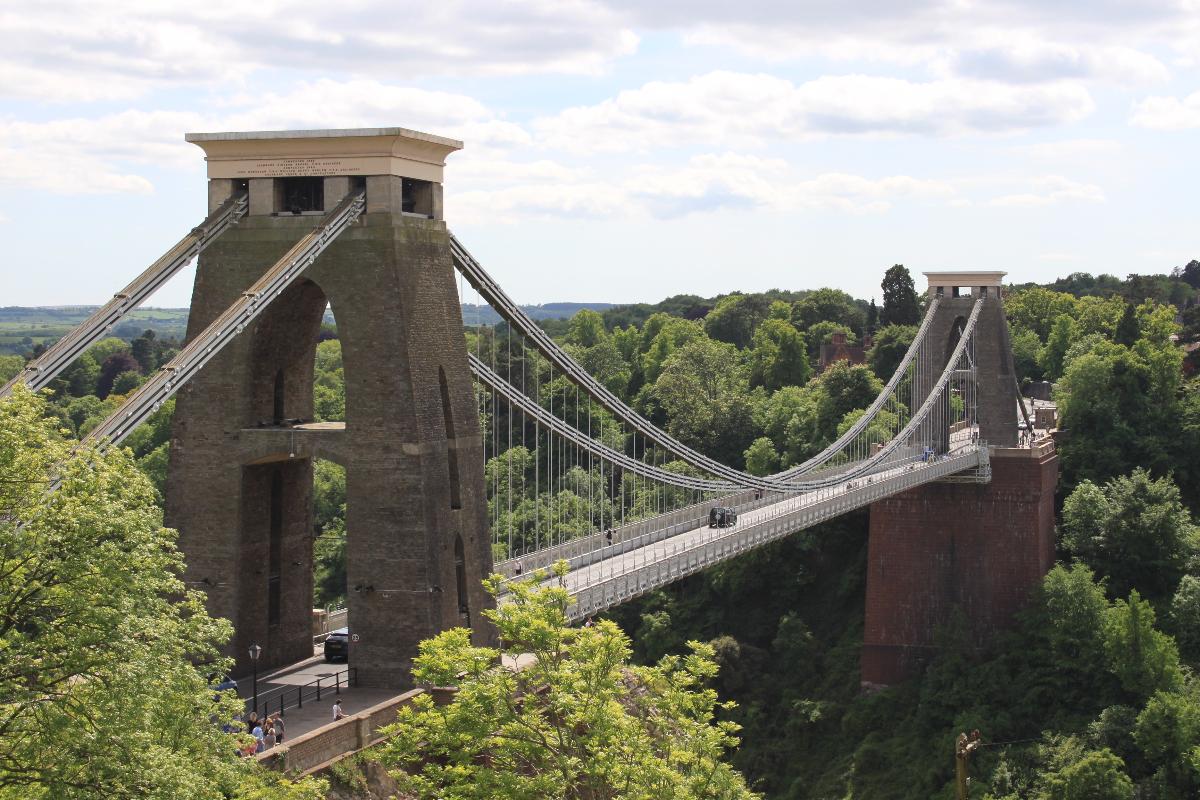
(721, 517)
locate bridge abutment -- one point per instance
(980, 548)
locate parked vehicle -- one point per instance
(337, 644)
(721, 517)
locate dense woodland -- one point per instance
(1092, 694)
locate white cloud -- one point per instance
(104, 154)
(1085, 150)
(71, 51)
(705, 184)
(1168, 113)
(739, 109)
(1052, 189)
(1010, 40)
(1028, 60)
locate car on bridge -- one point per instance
(337, 644)
(721, 517)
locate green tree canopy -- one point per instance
(891, 343)
(828, 305)
(577, 721)
(1097, 775)
(900, 303)
(586, 329)
(107, 655)
(1134, 531)
(779, 357)
(735, 318)
(1036, 308)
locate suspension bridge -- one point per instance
(497, 451)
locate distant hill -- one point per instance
(21, 327)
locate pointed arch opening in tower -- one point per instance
(451, 442)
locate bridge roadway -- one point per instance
(597, 582)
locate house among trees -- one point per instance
(838, 349)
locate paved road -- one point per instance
(660, 551)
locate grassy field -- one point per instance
(21, 327)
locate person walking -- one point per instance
(337, 710)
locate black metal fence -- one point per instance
(282, 698)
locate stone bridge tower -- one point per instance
(980, 548)
(239, 486)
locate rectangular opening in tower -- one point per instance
(275, 548)
(416, 197)
(301, 195)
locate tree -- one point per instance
(670, 333)
(586, 329)
(1190, 274)
(891, 343)
(1097, 775)
(1054, 353)
(1026, 349)
(579, 721)
(1185, 617)
(900, 304)
(761, 458)
(1120, 413)
(827, 305)
(735, 318)
(145, 350)
(126, 382)
(104, 684)
(1168, 731)
(603, 362)
(704, 391)
(1134, 531)
(779, 357)
(1144, 660)
(113, 366)
(1127, 331)
(9, 367)
(844, 388)
(1036, 308)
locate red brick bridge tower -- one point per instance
(978, 547)
(239, 486)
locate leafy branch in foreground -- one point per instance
(559, 712)
(105, 655)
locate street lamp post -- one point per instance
(255, 652)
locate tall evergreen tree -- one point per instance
(900, 306)
(1127, 329)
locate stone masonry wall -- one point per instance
(981, 548)
(390, 282)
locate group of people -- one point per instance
(267, 733)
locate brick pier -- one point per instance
(979, 547)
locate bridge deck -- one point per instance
(658, 561)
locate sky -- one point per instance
(620, 151)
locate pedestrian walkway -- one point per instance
(313, 713)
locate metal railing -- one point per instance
(226, 327)
(664, 562)
(285, 697)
